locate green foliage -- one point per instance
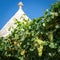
(38, 39)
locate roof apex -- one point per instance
(20, 4)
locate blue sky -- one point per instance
(33, 8)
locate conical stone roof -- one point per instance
(19, 15)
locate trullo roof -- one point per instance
(19, 15)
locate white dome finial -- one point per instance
(20, 4)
